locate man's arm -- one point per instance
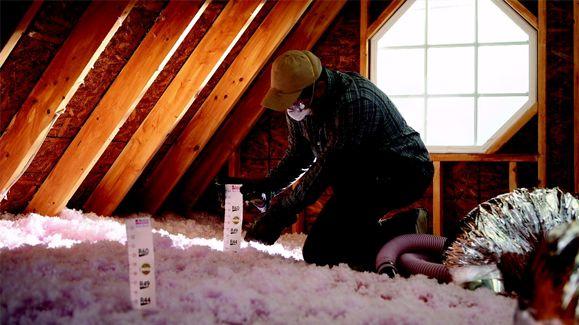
(297, 157)
(353, 122)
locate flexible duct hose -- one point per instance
(388, 258)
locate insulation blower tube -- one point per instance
(410, 253)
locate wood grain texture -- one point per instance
(172, 105)
(121, 98)
(542, 93)
(248, 112)
(61, 79)
(20, 29)
(437, 200)
(222, 99)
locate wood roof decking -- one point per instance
(138, 74)
(172, 105)
(29, 127)
(221, 100)
(248, 112)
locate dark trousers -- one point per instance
(346, 230)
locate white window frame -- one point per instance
(529, 108)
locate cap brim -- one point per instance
(278, 101)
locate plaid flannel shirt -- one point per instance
(354, 113)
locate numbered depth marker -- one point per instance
(141, 262)
(233, 218)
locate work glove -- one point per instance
(255, 191)
(267, 228)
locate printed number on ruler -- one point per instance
(233, 217)
(141, 262)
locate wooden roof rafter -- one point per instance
(248, 112)
(28, 129)
(20, 29)
(173, 104)
(148, 60)
(224, 96)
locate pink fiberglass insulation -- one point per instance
(73, 269)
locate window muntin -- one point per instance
(458, 70)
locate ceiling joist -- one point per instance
(224, 96)
(116, 105)
(175, 101)
(29, 127)
(248, 112)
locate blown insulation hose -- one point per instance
(387, 260)
(419, 264)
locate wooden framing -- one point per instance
(437, 199)
(542, 94)
(234, 166)
(48, 99)
(482, 157)
(20, 29)
(512, 176)
(576, 92)
(173, 104)
(510, 129)
(523, 12)
(383, 18)
(116, 105)
(248, 112)
(364, 38)
(221, 100)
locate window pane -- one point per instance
(503, 69)
(408, 29)
(451, 21)
(412, 109)
(450, 121)
(451, 70)
(493, 112)
(495, 26)
(401, 71)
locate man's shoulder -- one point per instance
(356, 88)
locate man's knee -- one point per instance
(313, 253)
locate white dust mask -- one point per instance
(298, 111)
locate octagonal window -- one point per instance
(460, 71)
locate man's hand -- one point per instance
(269, 226)
(250, 187)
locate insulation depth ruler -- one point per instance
(233, 218)
(141, 262)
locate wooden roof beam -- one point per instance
(523, 12)
(383, 18)
(224, 96)
(48, 99)
(173, 25)
(248, 112)
(175, 101)
(20, 29)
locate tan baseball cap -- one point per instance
(291, 72)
